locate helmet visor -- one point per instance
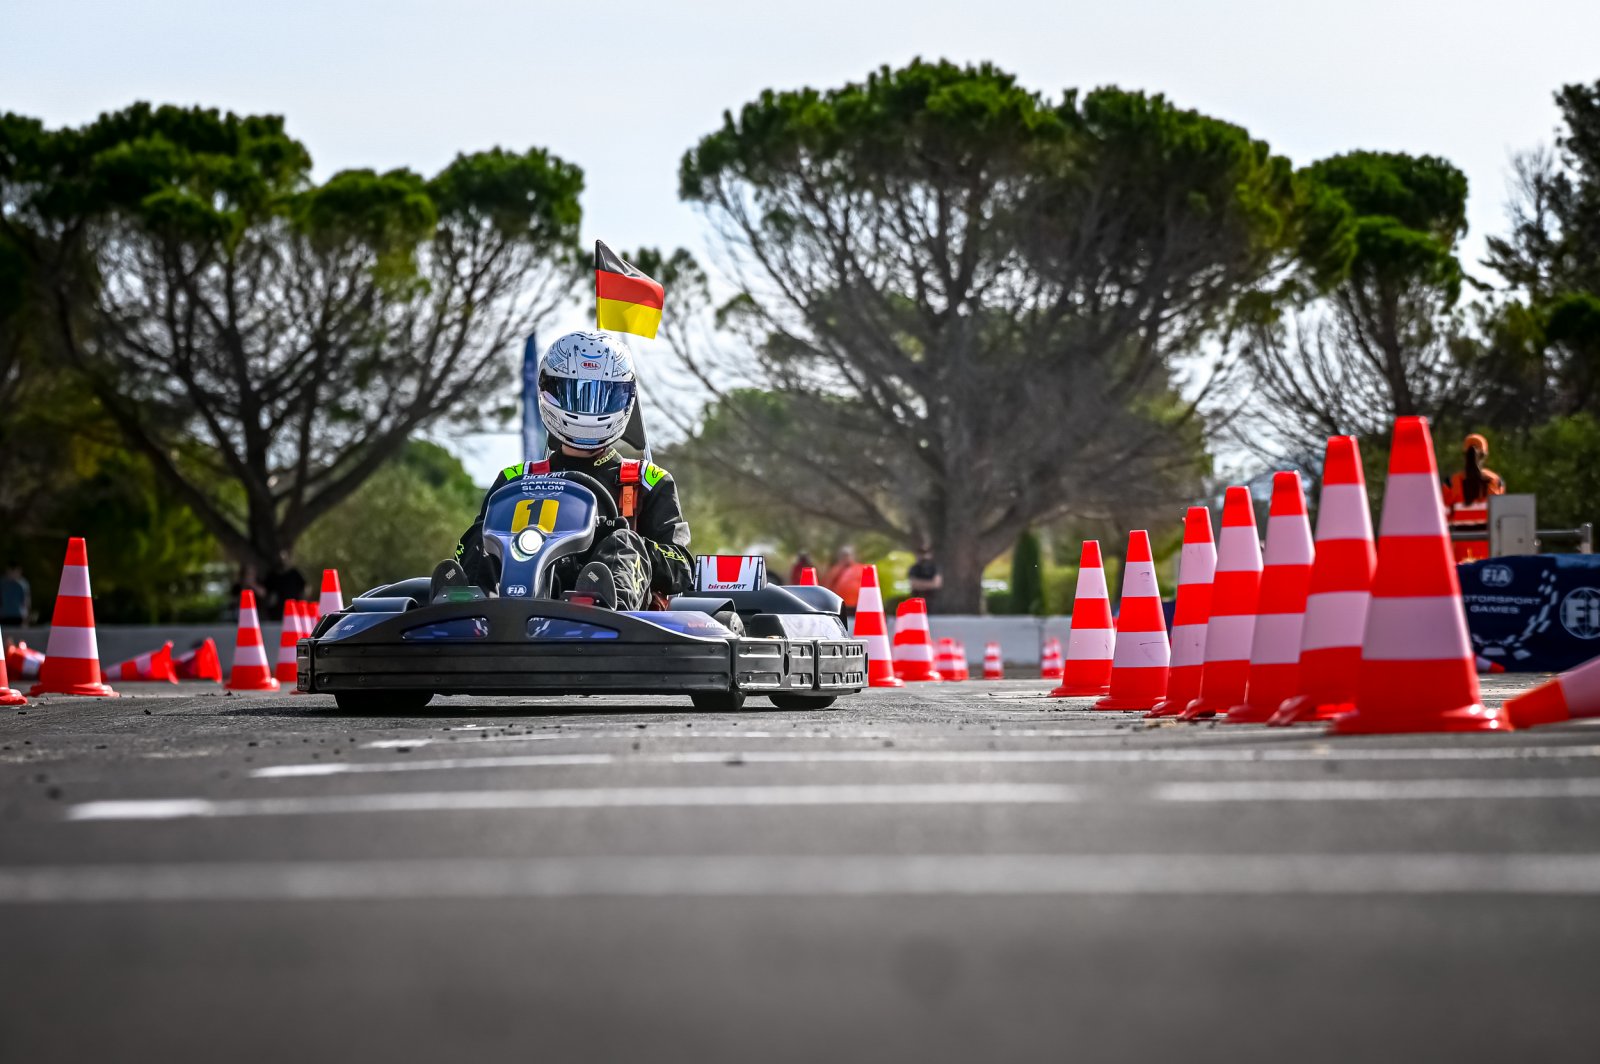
(589, 397)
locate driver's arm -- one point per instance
(665, 533)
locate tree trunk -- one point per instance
(959, 554)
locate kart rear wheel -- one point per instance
(802, 702)
(718, 701)
(372, 702)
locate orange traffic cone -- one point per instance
(994, 666)
(250, 669)
(1231, 627)
(1139, 669)
(1573, 694)
(288, 669)
(946, 661)
(154, 667)
(961, 661)
(913, 647)
(1280, 605)
(331, 601)
(72, 660)
(23, 662)
(1417, 671)
(808, 577)
(8, 697)
(1087, 669)
(201, 663)
(1050, 665)
(872, 626)
(1341, 585)
(1196, 566)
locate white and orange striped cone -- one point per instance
(250, 669)
(1087, 668)
(872, 626)
(913, 646)
(1573, 695)
(1050, 665)
(1139, 667)
(1280, 605)
(1341, 586)
(8, 697)
(288, 667)
(808, 577)
(946, 661)
(154, 667)
(962, 672)
(23, 662)
(1190, 612)
(72, 658)
(1417, 670)
(1487, 667)
(332, 601)
(201, 663)
(1231, 628)
(994, 666)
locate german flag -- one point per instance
(625, 299)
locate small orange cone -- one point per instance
(1574, 694)
(961, 661)
(913, 647)
(808, 577)
(1341, 586)
(201, 663)
(1139, 669)
(331, 601)
(947, 661)
(1050, 666)
(154, 667)
(1417, 670)
(1087, 669)
(1231, 628)
(994, 666)
(72, 659)
(872, 626)
(8, 697)
(288, 669)
(250, 669)
(23, 662)
(1190, 613)
(1280, 605)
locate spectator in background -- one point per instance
(1466, 496)
(844, 580)
(925, 578)
(248, 581)
(802, 561)
(16, 597)
(289, 583)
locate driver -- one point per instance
(586, 396)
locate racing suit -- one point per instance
(653, 559)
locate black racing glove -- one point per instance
(605, 526)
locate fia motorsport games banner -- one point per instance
(1534, 613)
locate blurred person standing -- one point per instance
(1466, 496)
(844, 580)
(925, 578)
(802, 562)
(16, 597)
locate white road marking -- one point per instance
(1320, 753)
(1376, 790)
(571, 732)
(580, 798)
(998, 875)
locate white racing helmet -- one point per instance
(587, 389)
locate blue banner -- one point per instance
(534, 440)
(1534, 613)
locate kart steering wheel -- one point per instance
(602, 497)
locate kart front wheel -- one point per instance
(802, 702)
(718, 701)
(367, 702)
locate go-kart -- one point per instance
(395, 647)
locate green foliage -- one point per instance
(1559, 461)
(1027, 575)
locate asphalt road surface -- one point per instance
(966, 872)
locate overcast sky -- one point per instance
(622, 87)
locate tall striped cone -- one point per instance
(946, 661)
(154, 667)
(250, 669)
(8, 697)
(1341, 586)
(1231, 627)
(1280, 606)
(1087, 669)
(23, 662)
(994, 666)
(961, 661)
(1196, 566)
(288, 669)
(808, 577)
(1050, 665)
(332, 601)
(72, 658)
(1572, 695)
(1139, 669)
(1417, 672)
(913, 647)
(201, 663)
(873, 626)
